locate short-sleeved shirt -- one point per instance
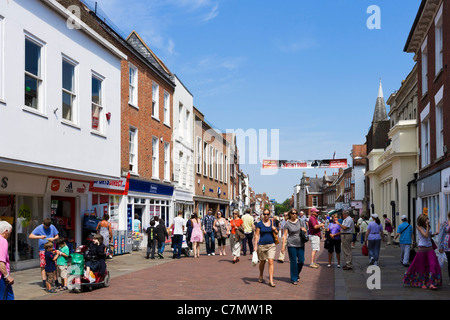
(248, 223)
(178, 224)
(350, 224)
(50, 232)
(293, 229)
(335, 228)
(62, 261)
(50, 265)
(311, 224)
(4, 256)
(405, 231)
(208, 222)
(374, 231)
(265, 233)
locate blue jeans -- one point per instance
(374, 249)
(161, 247)
(297, 259)
(6, 292)
(210, 242)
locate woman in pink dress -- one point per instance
(197, 235)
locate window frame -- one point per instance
(73, 94)
(166, 115)
(133, 135)
(100, 105)
(155, 157)
(2, 63)
(425, 142)
(40, 91)
(439, 42)
(133, 85)
(198, 149)
(424, 62)
(166, 161)
(155, 101)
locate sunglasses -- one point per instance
(266, 214)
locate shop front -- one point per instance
(183, 201)
(22, 205)
(429, 195)
(145, 201)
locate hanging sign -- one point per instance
(304, 164)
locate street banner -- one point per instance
(304, 164)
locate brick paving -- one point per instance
(213, 278)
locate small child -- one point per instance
(50, 266)
(61, 262)
(151, 243)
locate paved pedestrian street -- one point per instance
(216, 278)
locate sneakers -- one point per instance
(314, 265)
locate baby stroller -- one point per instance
(184, 247)
(78, 279)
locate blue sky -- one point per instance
(310, 69)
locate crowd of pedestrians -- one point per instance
(420, 254)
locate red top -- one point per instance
(234, 224)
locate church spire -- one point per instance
(380, 113)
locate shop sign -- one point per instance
(150, 187)
(22, 183)
(67, 186)
(304, 164)
(119, 187)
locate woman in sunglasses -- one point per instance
(265, 245)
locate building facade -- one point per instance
(60, 86)
(429, 41)
(212, 168)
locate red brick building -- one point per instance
(429, 40)
(212, 169)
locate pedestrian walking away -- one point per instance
(44, 232)
(151, 240)
(362, 223)
(293, 242)
(197, 234)
(424, 270)
(444, 241)
(249, 230)
(388, 228)
(208, 224)
(314, 236)
(264, 245)
(334, 241)
(6, 281)
(347, 227)
(162, 235)
(405, 232)
(236, 236)
(177, 238)
(374, 236)
(222, 232)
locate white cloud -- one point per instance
(212, 14)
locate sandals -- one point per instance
(272, 285)
(260, 280)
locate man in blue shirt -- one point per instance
(44, 232)
(405, 232)
(208, 223)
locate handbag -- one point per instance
(365, 250)
(303, 236)
(275, 234)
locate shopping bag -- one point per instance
(365, 250)
(255, 259)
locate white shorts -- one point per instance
(315, 243)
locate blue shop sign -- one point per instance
(150, 187)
